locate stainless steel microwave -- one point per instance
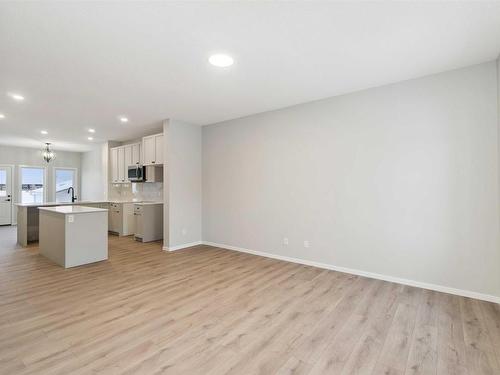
(136, 173)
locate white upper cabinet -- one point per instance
(159, 149)
(121, 164)
(121, 158)
(128, 156)
(148, 149)
(114, 164)
(152, 149)
(136, 154)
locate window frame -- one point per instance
(54, 173)
(20, 181)
(13, 211)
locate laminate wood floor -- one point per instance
(206, 310)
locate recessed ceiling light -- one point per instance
(44, 132)
(90, 138)
(17, 97)
(2, 115)
(123, 119)
(221, 60)
(91, 130)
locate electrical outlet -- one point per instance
(184, 231)
(306, 243)
(285, 241)
(71, 219)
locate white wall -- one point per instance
(182, 184)
(498, 127)
(95, 173)
(33, 157)
(498, 131)
(400, 181)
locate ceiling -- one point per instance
(81, 65)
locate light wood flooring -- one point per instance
(208, 311)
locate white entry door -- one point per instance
(5, 195)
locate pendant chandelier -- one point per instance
(47, 154)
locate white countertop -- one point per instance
(48, 204)
(125, 201)
(146, 203)
(66, 210)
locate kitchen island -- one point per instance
(73, 235)
(28, 221)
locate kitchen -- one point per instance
(134, 207)
(124, 178)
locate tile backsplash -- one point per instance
(146, 191)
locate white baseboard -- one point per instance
(397, 280)
(183, 246)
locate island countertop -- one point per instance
(49, 204)
(67, 210)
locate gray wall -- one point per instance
(400, 180)
(498, 119)
(33, 157)
(182, 184)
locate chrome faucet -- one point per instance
(73, 198)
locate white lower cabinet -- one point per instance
(114, 218)
(148, 221)
(121, 219)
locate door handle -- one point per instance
(7, 200)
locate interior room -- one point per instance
(263, 187)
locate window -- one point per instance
(3, 183)
(65, 178)
(32, 184)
